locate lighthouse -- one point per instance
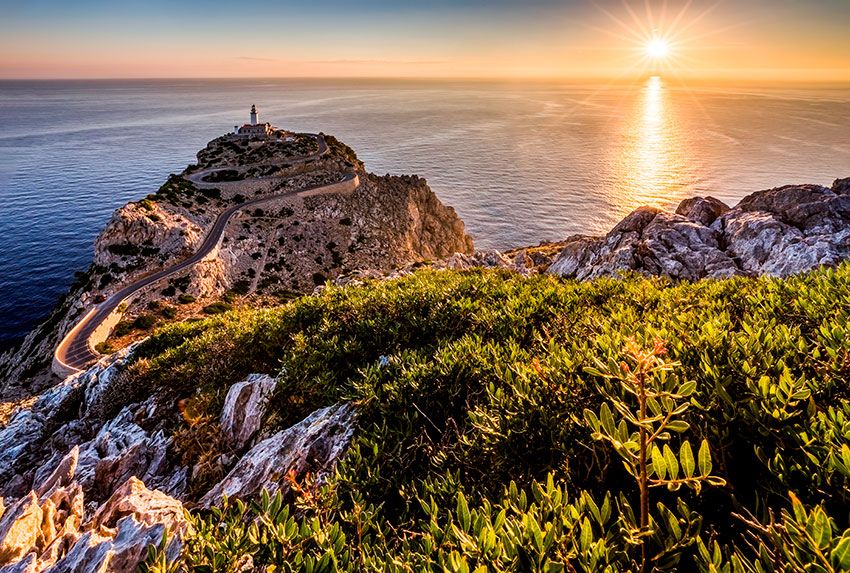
(254, 129)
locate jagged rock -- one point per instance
(103, 386)
(145, 506)
(62, 474)
(46, 532)
(145, 457)
(314, 445)
(28, 564)
(109, 447)
(841, 186)
(777, 232)
(244, 408)
(28, 427)
(702, 210)
(118, 535)
(20, 529)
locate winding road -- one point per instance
(198, 176)
(75, 352)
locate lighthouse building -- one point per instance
(254, 128)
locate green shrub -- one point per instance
(186, 299)
(124, 249)
(217, 308)
(104, 348)
(145, 321)
(472, 449)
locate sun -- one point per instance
(657, 48)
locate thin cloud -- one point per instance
(252, 59)
(406, 62)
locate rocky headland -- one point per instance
(267, 253)
(94, 469)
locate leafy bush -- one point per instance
(124, 249)
(473, 451)
(186, 299)
(217, 308)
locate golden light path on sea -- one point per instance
(651, 163)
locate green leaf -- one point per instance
(840, 556)
(607, 419)
(658, 464)
(672, 463)
(819, 528)
(586, 535)
(678, 426)
(704, 456)
(686, 456)
(845, 455)
(591, 420)
(687, 388)
(463, 512)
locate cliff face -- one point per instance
(281, 248)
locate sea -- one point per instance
(521, 162)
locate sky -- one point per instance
(805, 40)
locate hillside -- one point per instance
(456, 403)
(326, 216)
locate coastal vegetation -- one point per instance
(510, 423)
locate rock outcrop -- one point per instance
(777, 232)
(49, 528)
(244, 408)
(116, 431)
(92, 488)
(313, 445)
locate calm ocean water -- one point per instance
(521, 163)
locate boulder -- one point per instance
(244, 408)
(841, 186)
(702, 210)
(775, 232)
(313, 445)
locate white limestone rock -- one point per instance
(314, 444)
(244, 408)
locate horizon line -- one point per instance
(510, 79)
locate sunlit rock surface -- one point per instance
(777, 232)
(313, 445)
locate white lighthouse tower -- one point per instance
(253, 115)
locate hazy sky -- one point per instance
(752, 39)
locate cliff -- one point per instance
(326, 216)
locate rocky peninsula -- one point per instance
(96, 467)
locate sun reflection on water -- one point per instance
(651, 167)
